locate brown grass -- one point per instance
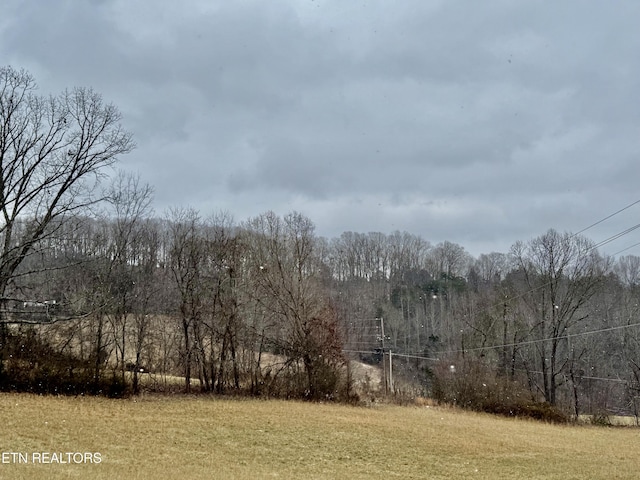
(202, 437)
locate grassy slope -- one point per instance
(174, 438)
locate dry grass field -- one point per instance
(203, 438)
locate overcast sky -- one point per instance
(478, 122)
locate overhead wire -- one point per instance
(607, 218)
(625, 249)
(541, 340)
(616, 236)
(586, 252)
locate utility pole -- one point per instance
(384, 363)
(391, 372)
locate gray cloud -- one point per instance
(480, 123)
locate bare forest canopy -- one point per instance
(97, 294)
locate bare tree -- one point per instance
(188, 257)
(627, 269)
(560, 273)
(147, 294)
(491, 267)
(289, 286)
(225, 323)
(450, 259)
(130, 203)
(52, 152)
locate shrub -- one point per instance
(601, 419)
(33, 366)
(474, 387)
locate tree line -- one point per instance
(552, 320)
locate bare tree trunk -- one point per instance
(234, 360)
(99, 352)
(187, 356)
(222, 367)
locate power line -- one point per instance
(513, 344)
(607, 218)
(414, 356)
(406, 355)
(615, 237)
(625, 249)
(540, 340)
(580, 377)
(373, 352)
(588, 250)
